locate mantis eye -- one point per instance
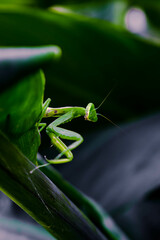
(91, 114)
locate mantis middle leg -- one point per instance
(44, 108)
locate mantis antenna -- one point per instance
(108, 94)
(104, 99)
(109, 120)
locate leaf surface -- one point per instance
(40, 198)
(23, 91)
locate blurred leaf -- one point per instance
(41, 3)
(16, 63)
(152, 9)
(40, 198)
(96, 54)
(118, 167)
(109, 10)
(11, 228)
(142, 216)
(33, 3)
(153, 195)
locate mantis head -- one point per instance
(91, 114)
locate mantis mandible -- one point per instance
(64, 115)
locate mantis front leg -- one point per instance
(44, 109)
(55, 133)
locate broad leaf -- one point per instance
(40, 198)
(96, 55)
(21, 103)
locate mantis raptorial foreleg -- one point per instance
(55, 133)
(64, 115)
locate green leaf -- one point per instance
(110, 10)
(16, 63)
(21, 104)
(40, 198)
(41, 3)
(96, 54)
(33, 3)
(90, 208)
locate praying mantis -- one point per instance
(56, 133)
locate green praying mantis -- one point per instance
(56, 133)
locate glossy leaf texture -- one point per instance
(88, 206)
(22, 97)
(40, 198)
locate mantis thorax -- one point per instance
(91, 114)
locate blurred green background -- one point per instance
(99, 52)
(106, 45)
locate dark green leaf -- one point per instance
(40, 198)
(21, 106)
(90, 208)
(113, 11)
(21, 103)
(96, 54)
(41, 3)
(16, 63)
